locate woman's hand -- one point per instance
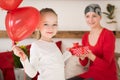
(18, 52)
(87, 53)
(83, 52)
(90, 55)
(82, 56)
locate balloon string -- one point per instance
(13, 43)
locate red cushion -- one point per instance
(59, 44)
(7, 65)
(28, 47)
(6, 59)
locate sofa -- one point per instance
(72, 66)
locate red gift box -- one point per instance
(78, 49)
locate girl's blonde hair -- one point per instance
(47, 10)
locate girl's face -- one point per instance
(93, 19)
(48, 25)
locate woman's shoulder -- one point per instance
(85, 35)
(108, 34)
(107, 31)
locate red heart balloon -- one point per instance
(21, 22)
(10, 4)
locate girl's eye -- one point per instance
(54, 24)
(45, 24)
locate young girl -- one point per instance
(45, 56)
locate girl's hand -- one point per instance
(18, 52)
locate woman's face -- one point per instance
(48, 25)
(92, 19)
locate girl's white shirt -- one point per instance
(47, 59)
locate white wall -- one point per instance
(70, 12)
(71, 16)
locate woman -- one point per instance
(101, 43)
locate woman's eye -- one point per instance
(94, 15)
(87, 16)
